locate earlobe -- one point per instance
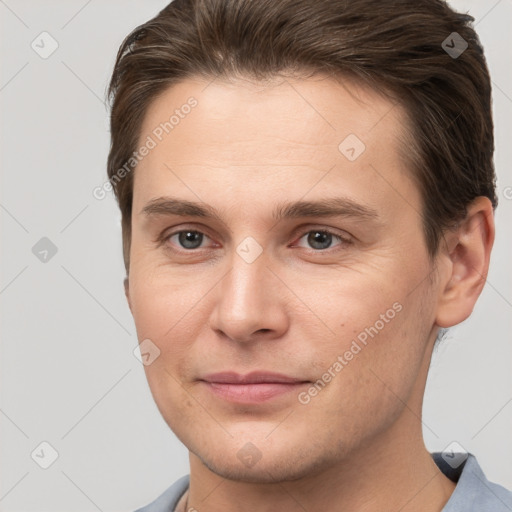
(468, 252)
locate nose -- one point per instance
(250, 302)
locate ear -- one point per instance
(465, 262)
(127, 291)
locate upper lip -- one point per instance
(256, 377)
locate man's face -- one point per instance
(342, 303)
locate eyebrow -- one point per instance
(328, 207)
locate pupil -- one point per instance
(190, 239)
(319, 240)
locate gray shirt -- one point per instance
(473, 493)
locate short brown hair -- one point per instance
(394, 45)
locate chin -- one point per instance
(270, 465)
(262, 473)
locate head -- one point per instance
(306, 187)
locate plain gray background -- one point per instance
(68, 373)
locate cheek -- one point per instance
(163, 302)
(352, 307)
(369, 380)
(381, 333)
(171, 311)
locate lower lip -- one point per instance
(252, 393)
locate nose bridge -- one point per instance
(245, 297)
(246, 283)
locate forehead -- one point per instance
(242, 131)
(314, 111)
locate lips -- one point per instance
(255, 387)
(257, 377)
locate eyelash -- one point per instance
(165, 237)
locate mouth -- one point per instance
(255, 387)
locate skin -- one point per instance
(246, 147)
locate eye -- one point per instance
(317, 239)
(321, 239)
(187, 239)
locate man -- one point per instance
(307, 198)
